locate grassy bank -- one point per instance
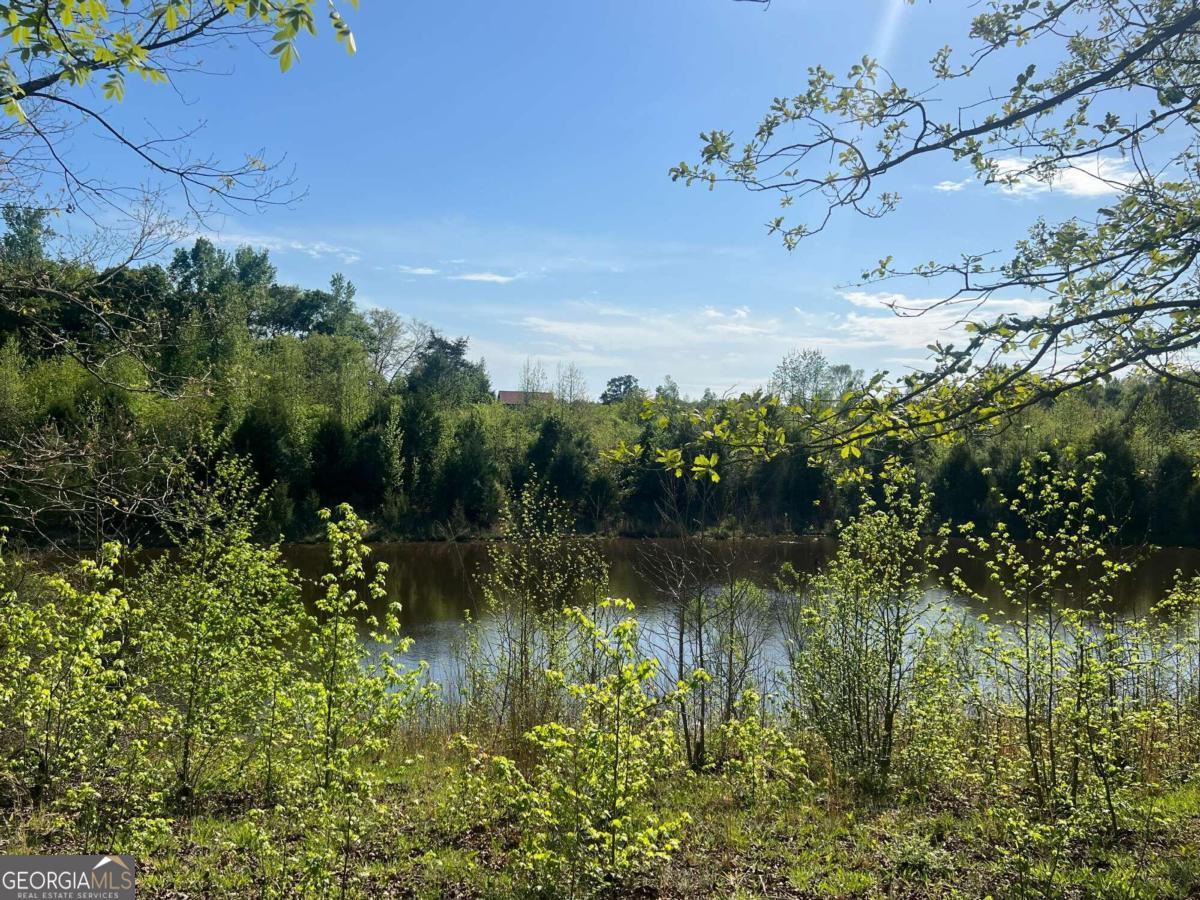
(941, 847)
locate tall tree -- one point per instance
(394, 343)
(25, 235)
(619, 389)
(443, 372)
(805, 377)
(62, 64)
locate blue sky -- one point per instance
(500, 171)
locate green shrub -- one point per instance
(540, 569)
(586, 812)
(73, 731)
(486, 788)
(758, 760)
(356, 697)
(220, 613)
(859, 629)
(1086, 689)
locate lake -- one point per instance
(437, 583)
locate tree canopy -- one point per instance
(619, 389)
(62, 65)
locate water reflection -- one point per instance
(437, 583)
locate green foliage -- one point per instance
(398, 421)
(588, 816)
(203, 681)
(90, 39)
(75, 705)
(486, 786)
(737, 620)
(859, 632)
(196, 712)
(1106, 86)
(25, 236)
(1089, 693)
(806, 378)
(442, 370)
(541, 568)
(620, 389)
(217, 618)
(194, 704)
(356, 695)
(470, 486)
(934, 759)
(360, 694)
(760, 760)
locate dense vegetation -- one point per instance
(246, 732)
(240, 742)
(334, 404)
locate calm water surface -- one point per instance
(437, 583)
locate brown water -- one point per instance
(437, 583)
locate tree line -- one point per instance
(331, 403)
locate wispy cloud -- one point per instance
(725, 347)
(734, 347)
(718, 347)
(415, 270)
(902, 323)
(949, 186)
(277, 244)
(485, 277)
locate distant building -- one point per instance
(523, 398)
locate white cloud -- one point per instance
(278, 244)
(485, 277)
(734, 347)
(1095, 177)
(900, 322)
(727, 347)
(888, 300)
(415, 270)
(721, 348)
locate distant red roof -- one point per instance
(520, 398)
